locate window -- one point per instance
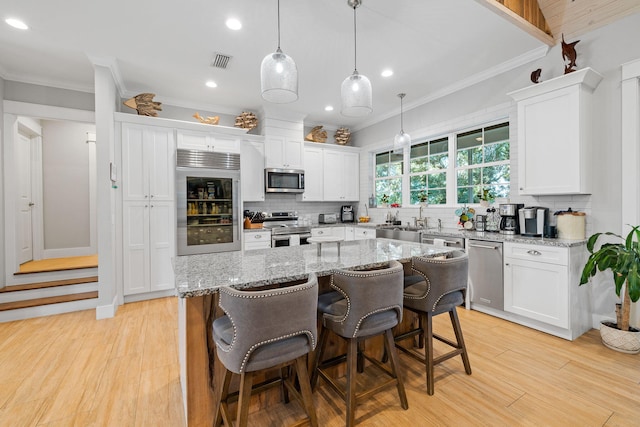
(388, 179)
(482, 163)
(428, 172)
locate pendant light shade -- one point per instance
(279, 75)
(356, 92)
(402, 139)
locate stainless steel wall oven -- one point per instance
(207, 200)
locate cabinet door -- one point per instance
(252, 169)
(313, 175)
(333, 176)
(135, 174)
(274, 152)
(162, 246)
(160, 147)
(223, 144)
(194, 140)
(349, 233)
(549, 149)
(351, 176)
(135, 243)
(364, 233)
(293, 154)
(537, 290)
(257, 240)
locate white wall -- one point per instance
(604, 50)
(2, 257)
(45, 95)
(65, 158)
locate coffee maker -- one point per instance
(347, 214)
(533, 220)
(509, 222)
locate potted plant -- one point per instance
(384, 201)
(623, 259)
(485, 196)
(422, 198)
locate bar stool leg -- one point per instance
(244, 398)
(352, 362)
(322, 342)
(455, 322)
(427, 319)
(305, 390)
(390, 349)
(222, 410)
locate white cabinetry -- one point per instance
(252, 170)
(359, 233)
(337, 231)
(555, 128)
(257, 240)
(207, 141)
(541, 285)
(148, 208)
(341, 175)
(313, 175)
(282, 153)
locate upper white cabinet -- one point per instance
(555, 123)
(207, 141)
(282, 153)
(252, 170)
(341, 175)
(313, 175)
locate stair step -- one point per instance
(52, 284)
(48, 300)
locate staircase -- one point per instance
(45, 298)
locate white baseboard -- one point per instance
(68, 252)
(47, 310)
(107, 311)
(150, 295)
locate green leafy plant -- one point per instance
(623, 259)
(384, 199)
(486, 195)
(422, 197)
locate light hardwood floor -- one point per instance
(58, 264)
(71, 370)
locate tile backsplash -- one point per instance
(281, 202)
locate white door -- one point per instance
(25, 201)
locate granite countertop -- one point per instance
(499, 237)
(198, 275)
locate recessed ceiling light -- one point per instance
(387, 73)
(328, 108)
(233, 24)
(16, 23)
(211, 83)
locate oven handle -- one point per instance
(280, 237)
(305, 235)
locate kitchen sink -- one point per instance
(409, 234)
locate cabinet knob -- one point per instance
(521, 188)
(534, 252)
(257, 236)
(507, 265)
(145, 196)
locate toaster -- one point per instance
(328, 218)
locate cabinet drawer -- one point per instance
(258, 236)
(538, 253)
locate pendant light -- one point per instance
(356, 89)
(402, 139)
(279, 75)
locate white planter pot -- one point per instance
(623, 341)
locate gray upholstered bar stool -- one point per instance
(437, 286)
(365, 304)
(262, 330)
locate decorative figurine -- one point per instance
(144, 104)
(207, 120)
(569, 54)
(535, 76)
(246, 121)
(316, 135)
(342, 136)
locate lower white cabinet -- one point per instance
(337, 231)
(541, 283)
(257, 240)
(148, 246)
(359, 233)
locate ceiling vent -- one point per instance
(220, 60)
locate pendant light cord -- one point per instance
(355, 41)
(401, 116)
(278, 24)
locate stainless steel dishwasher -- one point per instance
(485, 274)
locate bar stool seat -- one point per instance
(436, 286)
(264, 330)
(364, 304)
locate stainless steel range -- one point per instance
(285, 230)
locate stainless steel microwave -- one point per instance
(284, 180)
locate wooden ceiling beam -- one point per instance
(525, 14)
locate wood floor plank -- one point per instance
(57, 264)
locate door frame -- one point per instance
(12, 110)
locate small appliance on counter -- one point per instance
(509, 223)
(347, 214)
(571, 224)
(534, 220)
(328, 218)
(481, 222)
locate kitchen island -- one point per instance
(198, 277)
